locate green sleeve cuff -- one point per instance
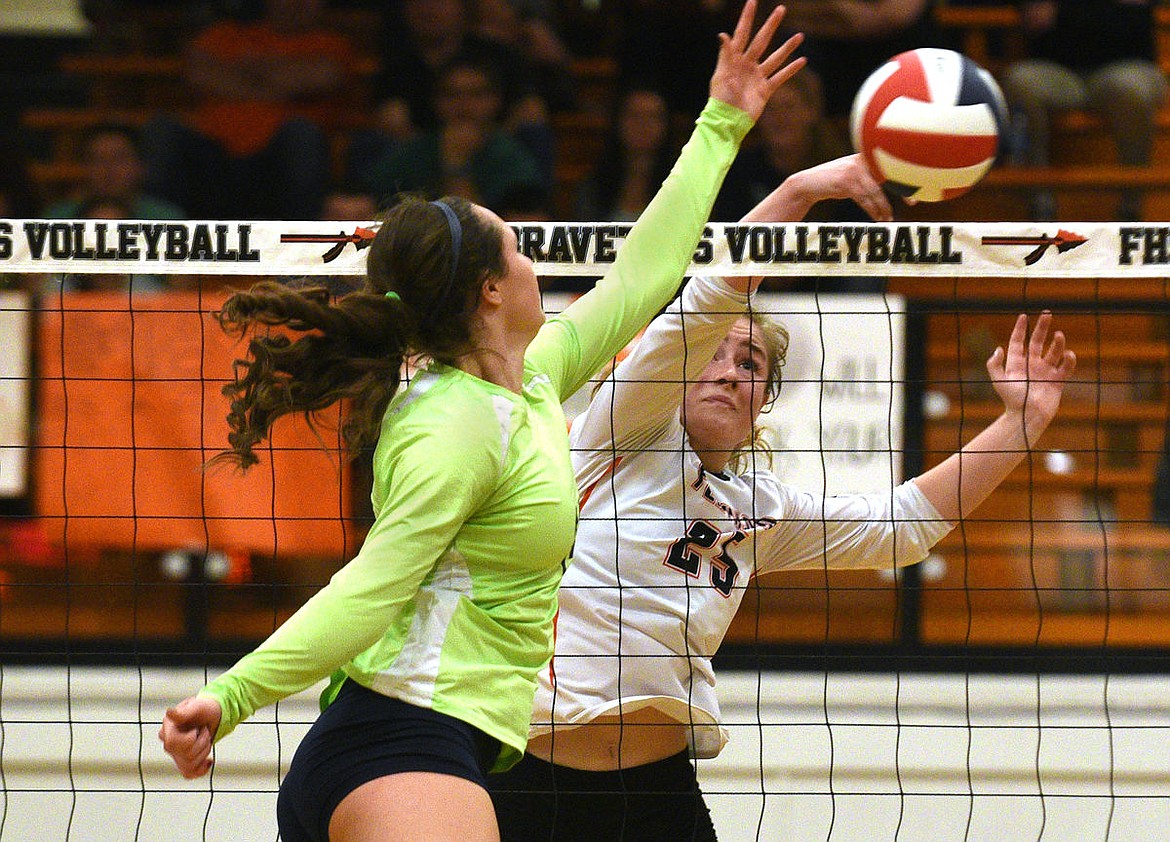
(735, 122)
(227, 721)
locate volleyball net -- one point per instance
(1015, 679)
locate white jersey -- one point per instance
(665, 548)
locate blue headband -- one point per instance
(456, 231)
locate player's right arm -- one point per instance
(572, 347)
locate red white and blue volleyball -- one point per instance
(928, 123)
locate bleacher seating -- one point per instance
(1084, 182)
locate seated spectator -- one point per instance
(636, 156)
(791, 135)
(529, 27)
(114, 170)
(103, 207)
(468, 154)
(255, 146)
(846, 40)
(421, 38)
(350, 203)
(1096, 54)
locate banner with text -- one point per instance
(986, 249)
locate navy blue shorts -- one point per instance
(363, 736)
(659, 802)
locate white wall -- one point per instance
(43, 17)
(848, 758)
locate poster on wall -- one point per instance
(837, 426)
(15, 371)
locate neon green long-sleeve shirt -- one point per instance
(449, 604)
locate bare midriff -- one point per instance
(613, 742)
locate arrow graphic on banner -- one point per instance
(361, 239)
(1064, 241)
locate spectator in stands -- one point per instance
(255, 146)
(846, 40)
(468, 153)
(1096, 54)
(529, 26)
(103, 207)
(636, 156)
(351, 203)
(791, 135)
(421, 38)
(115, 170)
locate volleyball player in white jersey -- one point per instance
(677, 514)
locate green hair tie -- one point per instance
(393, 296)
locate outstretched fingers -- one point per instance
(1044, 354)
(1060, 357)
(1055, 352)
(777, 66)
(765, 34)
(1019, 334)
(1013, 361)
(743, 26)
(1040, 335)
(746, 75)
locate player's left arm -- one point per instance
(1029, 378)
(880, 530)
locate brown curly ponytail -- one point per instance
(354, 348)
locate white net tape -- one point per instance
(973, 250)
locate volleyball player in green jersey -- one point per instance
(440, 623)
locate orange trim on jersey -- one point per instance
(613, 466)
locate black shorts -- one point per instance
(362, 736)
(538, 802)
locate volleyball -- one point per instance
(928, 123)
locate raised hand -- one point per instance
(188, 732)
(1029, 376)
(741, 78)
